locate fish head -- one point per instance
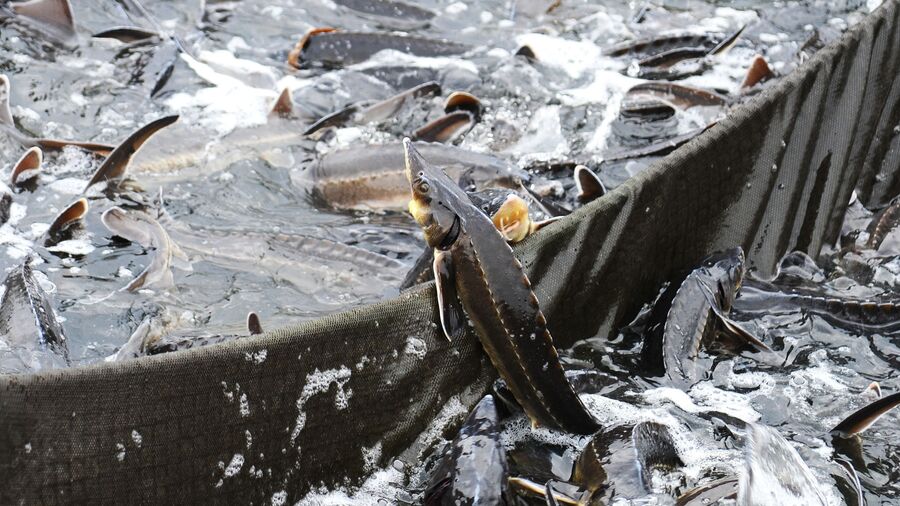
(726, 268)
(432, 199)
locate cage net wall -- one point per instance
(309, 405)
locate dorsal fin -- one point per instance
(759, 71)
(56, 14)
(28, 165)
(284, 104)
(70, 215)
(253, 324)
(126, 34)
(589, 185)
(5, 114)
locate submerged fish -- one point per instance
(329, 48)
(473, 470)
(372, 177)
(476, 270)
(31, 338)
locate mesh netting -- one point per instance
(323, 402)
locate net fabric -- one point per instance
(322, 403)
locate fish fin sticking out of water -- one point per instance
(139, 227)
(737, 333)
(727, 43)
(863, 418)
(32, 334)
(253, 324)
(589, 185)
(462, 111)
(775, 473)
(445, 129)
(126, 34)
(453, 320)
(873, 390)
(758, 72)
(294, 55)
(116, 163)
(512, 219)
(883, 222)
(283, 105)
(68, 217)
(28, 166)
(54, 14)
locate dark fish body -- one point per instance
(856, 314)
(499, 300)
(390, 13)
(31, 336)
(883, 222)
(372, 177)
(691, 322)
(475, 470)
(338, 49)
(618, 462)
(476, 267)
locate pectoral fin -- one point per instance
(762, 351)
(453, 320)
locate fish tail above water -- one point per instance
(883, 222)
(117, 162)
(863, 418)
(54, 14)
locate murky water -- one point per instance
(230, 203)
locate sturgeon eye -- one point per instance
(423, 187)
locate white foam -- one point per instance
(316, 383)
(574, 57)
(234, 467)
(76, 247)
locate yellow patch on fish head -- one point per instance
(512, 219)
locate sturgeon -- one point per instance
(31, 338)
(477, 272)
(372, 177)
(698, 314)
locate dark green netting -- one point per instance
(330, 394)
